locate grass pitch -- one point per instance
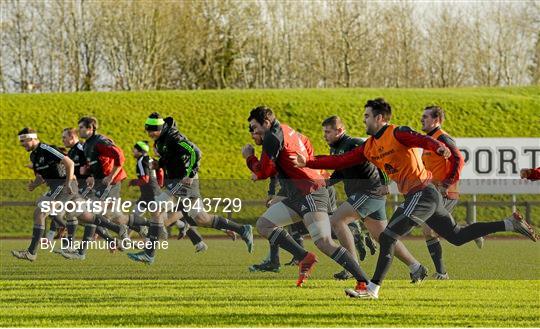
(493, 287)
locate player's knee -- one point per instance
(202, 219)
(324, 243)
(428, 233)
(386, 238)
(264, 226)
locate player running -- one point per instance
(54, 169)
(392, 149)
(149, 182)
(180, 159)
(307, 195)
(446, 173)
(105, 173)
(366, 191)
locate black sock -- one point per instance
(193, 235)
(274, 254)
(102, 232)
(137, 220)
(298, 238)
(36, 236)
(386, 256)
(283, 239)
(344, 258)
(104, 222)
(477, 230)
(89, 230)
(71, 226)
(52, 227)
(153, 236)
(223, 223)
(435, 250)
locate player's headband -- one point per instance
(154, 124)
(142, 146)
(27, 136)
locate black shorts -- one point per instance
(450, 204)
(317, 201)
(332, 203)
(176, 188)
(103, 192)
(417, 208)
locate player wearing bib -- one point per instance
(307, 195)
(393, 149)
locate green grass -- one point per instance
(494, 287)
(216, 120)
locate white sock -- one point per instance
(50, 235)
(414, 267)
(508, 225)
(374, 288)
(180, 224)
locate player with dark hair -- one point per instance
(446, 173)
(70, 139)
(393, 149)
(307, 194)
(366, 189)
(105, 173)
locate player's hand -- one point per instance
(133, 182)
(382, 190)
(154, 165)
(31, 186)
(247, 151)
(443, 190)
(84, 170)
(69, 187)
(187, 181)
(90, 182)
(269, 200)
(524, 173)
(444, 152)
(298, 160)
(254, 177)
(106, 180)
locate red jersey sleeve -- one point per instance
(264, 168)
(342, 161)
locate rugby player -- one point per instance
(105, 173)
(52, 168)
(446, 174)
(366, 190)
(392, 149)
(307, 195)
(180, 160)
(150, 181)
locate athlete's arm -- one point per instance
(190, 154)
(342, 161)
(411, 138)
(113, 152)
(38, 180)
(456, 161)
(531, 174)
(262, 169)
